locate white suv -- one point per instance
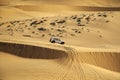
(56, 40)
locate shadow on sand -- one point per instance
(28, 51)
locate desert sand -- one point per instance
(89, 28)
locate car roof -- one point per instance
(55, 37)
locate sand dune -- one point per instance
(10, 13)
(90, 29)
(59, 8)
(20, 9)
(75, 27)
(113, 3)
(27, 51)
(86, 65)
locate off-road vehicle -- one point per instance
(56, 40)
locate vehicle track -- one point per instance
(70, 64)
(73, 63)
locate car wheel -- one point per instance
(52, 41)
(62, 43)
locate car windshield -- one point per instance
(57, 39)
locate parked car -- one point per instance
(56, 40)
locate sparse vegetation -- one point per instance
(61, 30)
(73, 17)
(88, 18)
(53, 23)
(61, 21)
(78, 19)
(72, 34)
(104, 15)
(107, 21)
(33, 32)
(8, 26)
(100, 36)
(80, 24)
(43, 35)
(36, 23)
(27, 35)
(41, 29)
(20, 29)
(1, 24)
(76, 30)
(33, 23)
(60, 26)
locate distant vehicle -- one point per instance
(56, 40)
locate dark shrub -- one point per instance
(41, 29)
(52, 23)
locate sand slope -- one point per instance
(83, 29)
(8, 13)
(90, 29)
(70, 64)
(111, 3)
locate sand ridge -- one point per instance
(23, 46)
(83, 64)
(76, 27)
(90, 29)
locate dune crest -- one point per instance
(82, 64)
(89, 28)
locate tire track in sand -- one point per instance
(72, 63)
